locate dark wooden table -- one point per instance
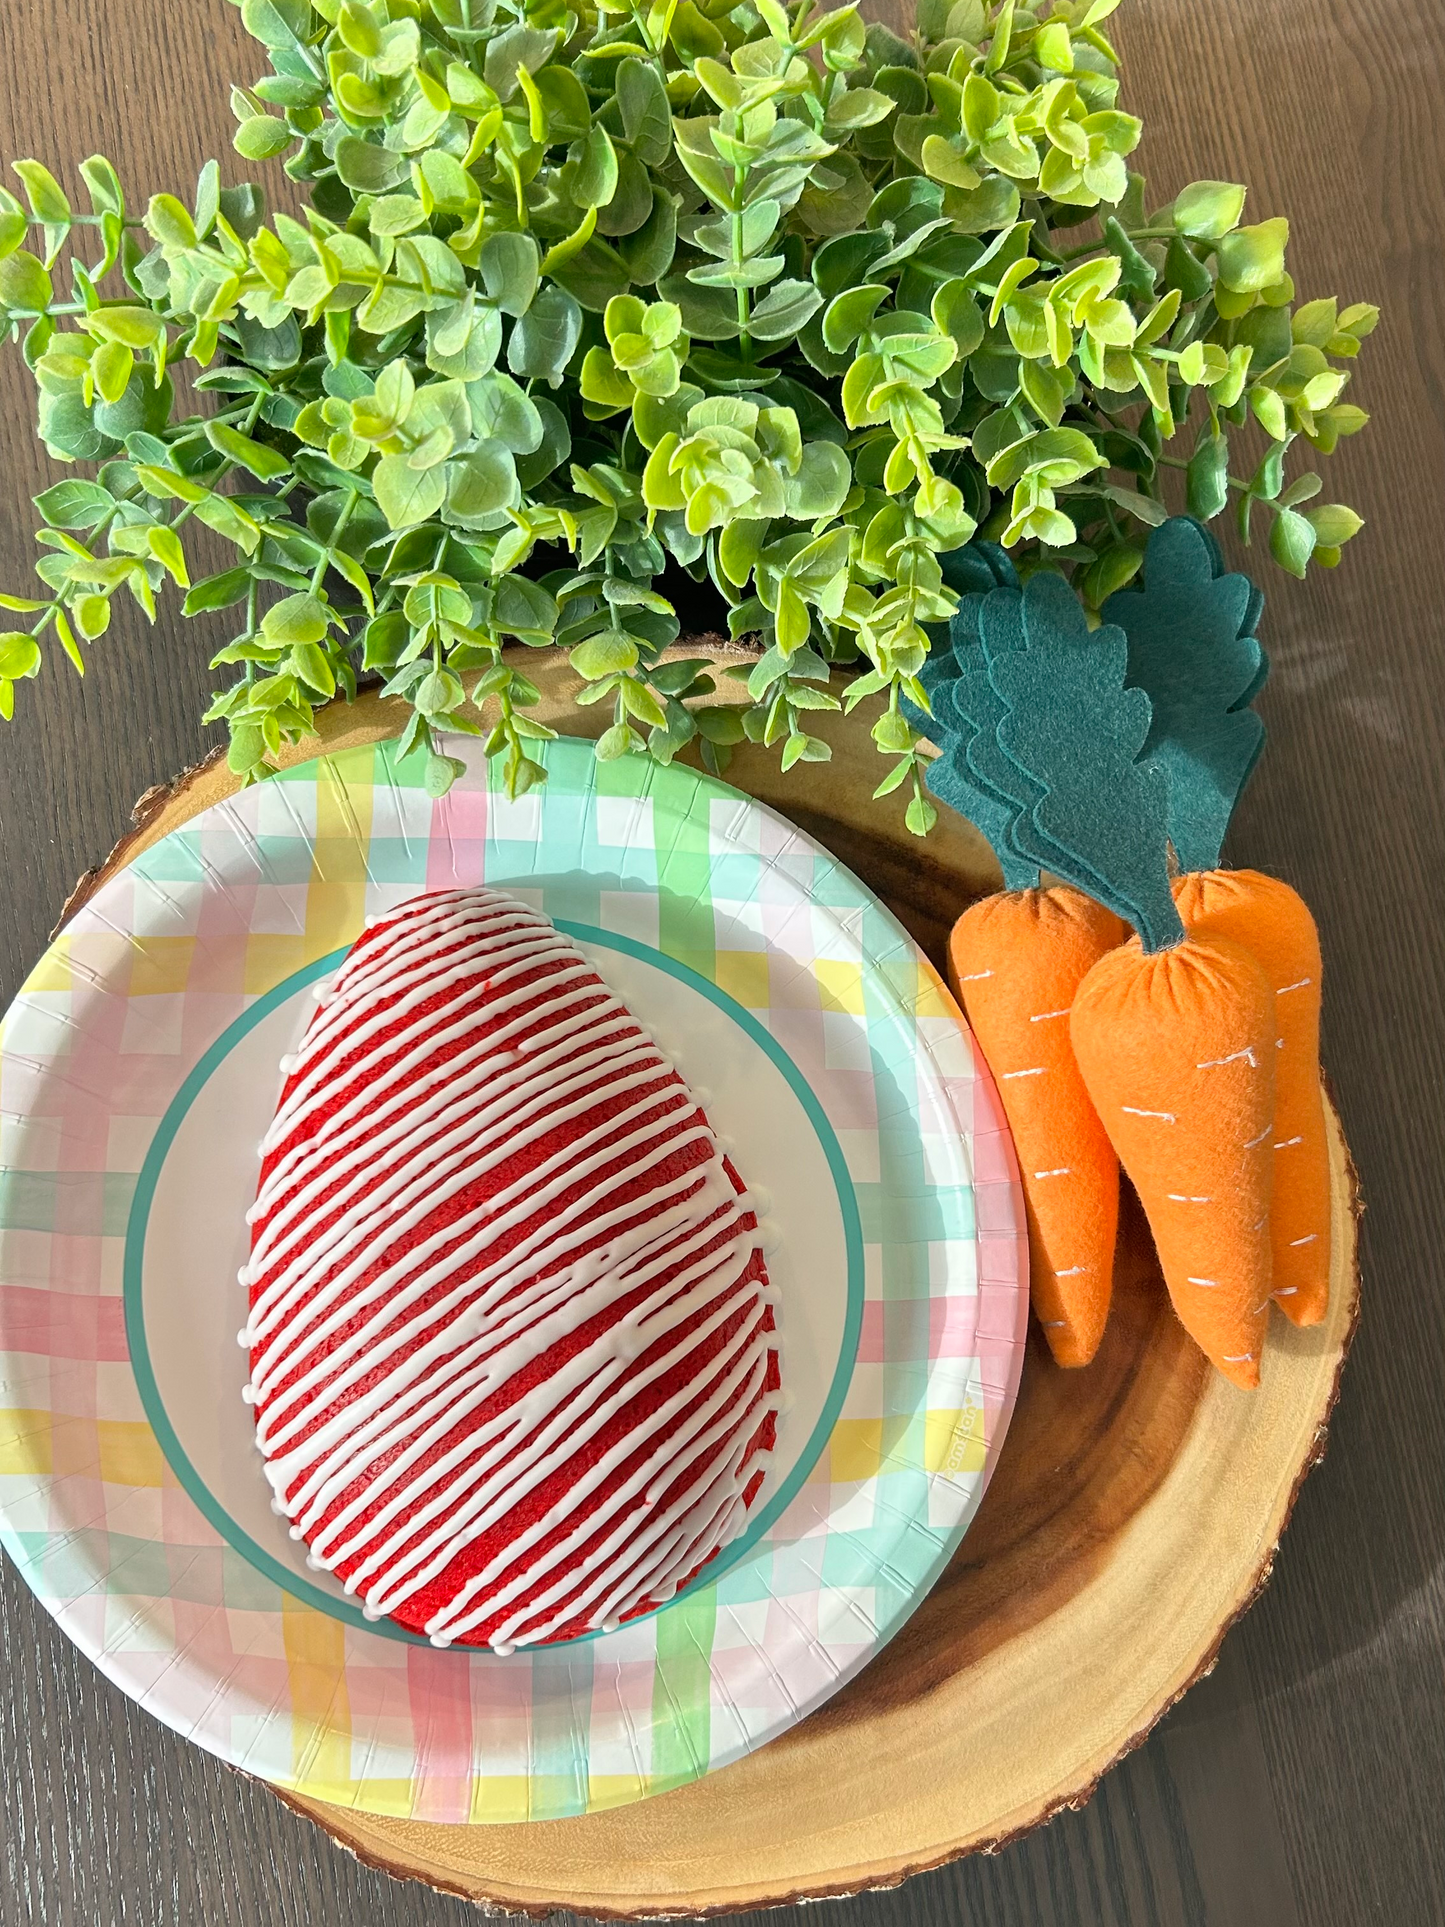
(1303, 1785)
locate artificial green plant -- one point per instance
(580, 295)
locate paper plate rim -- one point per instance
(911, 1559)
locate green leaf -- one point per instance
(1209, 210)
(1334, 524)
(1292, 541)
(218, 591)
(500, 411)
(943, 162)
(480, 486)
(594, 274)
(92, 615)
(523, 608)
(784, 310)
(368, 168)
(510, 270)
(135, 327)
(589, 177)
(546, 337)
(1208, 478)
(1269, 409)
(648, 251)
(441, 772)
(228, 519)
(208, 199)
(168, 221)
(518, 47)
(615, 742)
(611, 653)
(850, 313)
(277, 23)
(921, 815)
(265, 463)
(821, 484)
(75, 505)
(25, 287)
(102, 184)
(262, 138)
(165, 546)
(44, 193)
(19, 655)
(1252, 258)
(13, 225)
(311, 665)
(296, 619)
(646, 113)
(407, 495)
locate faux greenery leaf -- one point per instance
(19, 656)
(219, 591)
(646, 113)
(406, 495)
(1209, 210)
(75, 505)
(509, 265)
(260, 460)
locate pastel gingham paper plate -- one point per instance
(138, 1068)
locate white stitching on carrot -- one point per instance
(1214, 1063)
(977, 977)
(1286, 1143)
(1211, 1284)
(1180, 1197)
(1062, 1172)
(1132, 1110)
(1046, 1016)
(1037, 1071)
(1260, 1139)
(1286, 1291)
(1073, 1271)
(1303, 984)
(1309, 1240)
(1238, 1358)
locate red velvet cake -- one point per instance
(512, 1339)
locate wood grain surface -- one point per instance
(1304, 1784)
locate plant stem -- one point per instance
(740, 179)
(1135, 234)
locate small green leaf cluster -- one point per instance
(585, 292)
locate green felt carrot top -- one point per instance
(1086, 753)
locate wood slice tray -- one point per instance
(1134, 1515)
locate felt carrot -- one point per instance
(1176, 1048)
(1173, 1035)
(1015, 961)
(1275, 925)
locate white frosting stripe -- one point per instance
(508, 1310)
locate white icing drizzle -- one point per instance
(389, 1307)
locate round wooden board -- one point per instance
(1134, 1515)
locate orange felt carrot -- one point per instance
(1176, 1049)
(1273, 922)
(1015, 961)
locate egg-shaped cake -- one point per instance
(514, 1359)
